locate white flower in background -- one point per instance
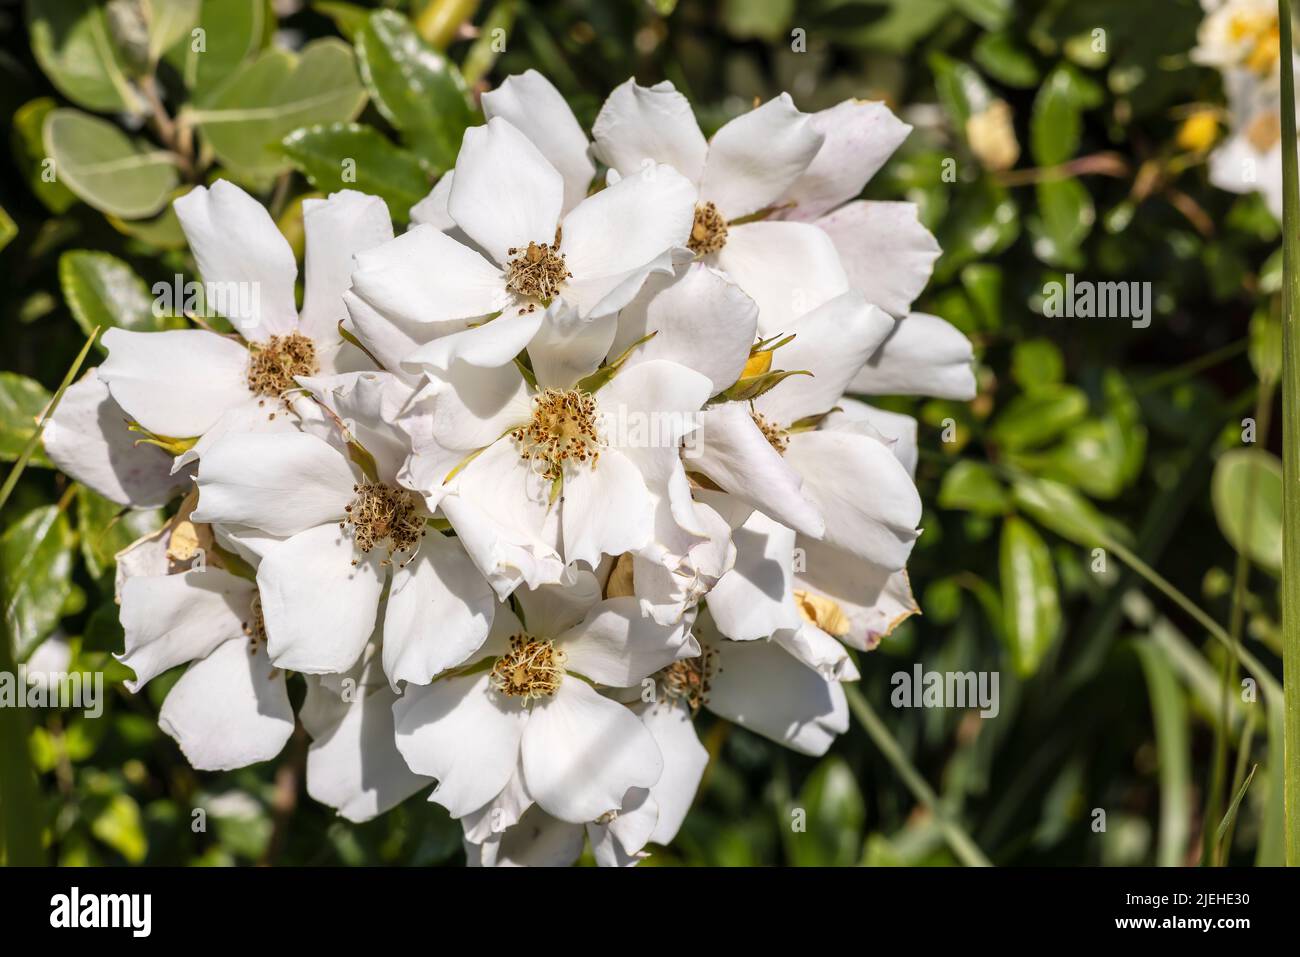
(519, 722)
(1249, 160)
(230, 708)
(1240, 35)
(344, 533)
(192, 383)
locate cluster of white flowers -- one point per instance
(1242, 40)
(520, 491)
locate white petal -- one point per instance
(895, 427)
(786, 268)
(439, 612)
(491, 344)
(433, 208)
(757, 156)
(175, 383)
(582, 752)
(504, 811)
(353, 765)
(229, 710)
(605, 509)
(671, 307)
(925, 355)
(684, 762)
(424, 276)
(819, 651)
(874, 599)
(234, 240)
(618, 646)
(254, 414)
(499, 509)
(539, 840)
(568, 346)
(466, 407)
(553, 609)
(336, 230)
(172, 619)
(533, 106)
(366, 403)
(732, 451)
(860, 137)
(87, 438)
(753, 600)
(387, 338)
(833, 342)
(505, 194)
(281, 484)
(618, 843)
(640, 125)
(609, 261)
(760, 686)
(463, 733)
(319, 607)
(836, 467)
(887, 254)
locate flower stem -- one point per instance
(1290, 444)
(962, 844)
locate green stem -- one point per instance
(961, 843)
(20, 821)
(1290, 445)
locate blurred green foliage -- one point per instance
(1045, 143)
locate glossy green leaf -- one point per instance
(228, 33)
(1066, 215)
(120, 827)
(30, 155)
(353, 156)
(169, 22)
(1032, 419)
(104, 528)
(1063, 510)
(1249, 482)
(833, 814)
(973, 487)
(22, 400)
(1030, 604)
(256, 108)
(107, 169)
(36, 552)
(1001, 58)
(1056, 123)
(103, 291)
(416, 88)
(1037, 365)
(72, 44)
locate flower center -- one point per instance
(1264, 131)
(255, 627)
(776, 436)
(823, 612)
(1262, 36)
(380, 512)
(708, 232)
(532, 669)
(688, 680)
(563, 430)
(538, 271)
(274, 363)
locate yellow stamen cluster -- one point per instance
(1262, 35)
(688, 680)
(776, 436)
(563, 430)
(274, 363)
(538, 271)
(708, 232)
(380, 512)
(1264, 131)
(255, 627)
(823, 612)
(532, 669)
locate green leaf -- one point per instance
(1173, 748)
(1060, 508)
(1056, 124)
(960, 87)
(103, 291)
(757, 19)
(263, 102)
(22, 400)
(1089, 457)
(29, 153)
(1066, 215)
(983, 284)
(1001, 58)
(105, 168)
(120, 827)
(36, 554)
(105, 528)
(227, 34)
(1249, 481)
(1037, 365)
(989, 14)
(1030, 605)
(984, 221)
(973, 487)
(324, 154)
(349, 18)
(1035, 418)
(170, 22)
(72, 44)
(416, 88)
(833, 814)
(8, 228)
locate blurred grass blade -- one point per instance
(963, 846)
(1290, 443)
(1173, 747)
(20, 825)
(23, 457)
(1230, 816)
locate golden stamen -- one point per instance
(563, 429)
(274, 363)
(708, 232)
(380, 513)
(532, 669)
